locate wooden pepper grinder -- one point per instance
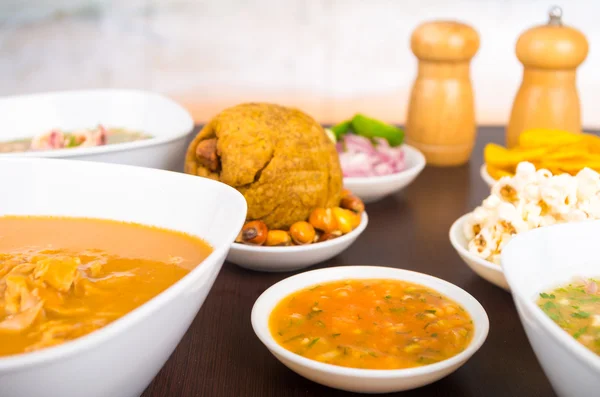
(441, 112)
(548, 96)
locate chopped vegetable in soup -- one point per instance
(575, 307)
(58, 139)
(62, 278)
(371, 324)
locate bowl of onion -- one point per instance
(374, 158)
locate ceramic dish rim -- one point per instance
(364, 220)
(123, 323)
(420, 163)
(112, 148)
(262, 332)
(485, 175)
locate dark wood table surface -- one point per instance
(221, 356)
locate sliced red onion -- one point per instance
(591, 287)
(360, 157)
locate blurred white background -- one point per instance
(331, 57)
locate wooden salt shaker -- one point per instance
(548, 96)
(441, 112)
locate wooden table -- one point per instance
(221, 356)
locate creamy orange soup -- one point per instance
(62, 278)
(371, 324)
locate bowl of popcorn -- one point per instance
(528, 200)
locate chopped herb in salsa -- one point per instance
(576, 309)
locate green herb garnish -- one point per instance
(312, 342)
(580, 332)
(580, 314)
(294, 338)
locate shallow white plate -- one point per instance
(287, 259)
(373, 188)
(365, 380)
(546, 258)
(486, 269)
(487, 178)
(166, 121)
(121, 359)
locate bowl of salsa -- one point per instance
(554, 274)
(369, 329)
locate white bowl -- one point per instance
(167, 122)
(542, 259)
(487, 178)
(120, 359)
(373, 188)
(486, 269)
(364, 380)
(287, 259)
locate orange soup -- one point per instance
(371, 324)
(62, 278)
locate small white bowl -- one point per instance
(487, 178)
(373, 188)
(365, 380)
(287, 259)
(485, 269)
(122, 358)
(167, 122)
(546, 258)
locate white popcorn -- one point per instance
(591, 207)
(483, 244)
(529, 200)
(575, 215)
(525, 171)
(491, 203)
(588, 183)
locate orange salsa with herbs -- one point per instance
(371, 324)
(62, 278)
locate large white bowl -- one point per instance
(120, 359)
(287, 259)
(542, 259)
(167, 122)
(365, 380)
(373, 188)
(486, 269)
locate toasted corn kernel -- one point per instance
(278, 238)
(353, 203)
(302, 233)
(253, 233)
(346, 219)
(323, 219)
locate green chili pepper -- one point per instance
(371, 128)
(341, 129)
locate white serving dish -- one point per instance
(287, 259)
(373, 188)
(121, 359)
(543, 259)
(486, 269)
(364, 380)
(167, 122)
(487, 178)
